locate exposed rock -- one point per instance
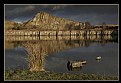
(45, 21)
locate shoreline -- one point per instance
(19, 75)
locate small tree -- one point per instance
(88, 25)
(103, 25)
(68, 26)
(16, 26)
(77, 28)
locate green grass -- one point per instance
(46, 75)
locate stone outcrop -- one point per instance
(45, 21)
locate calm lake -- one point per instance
(51, 53)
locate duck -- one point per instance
(98, 58)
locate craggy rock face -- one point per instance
(45, 21)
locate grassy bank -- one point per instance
(44, 75)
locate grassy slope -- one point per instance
(8, 24)
(43, 75)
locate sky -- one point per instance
(94, 13)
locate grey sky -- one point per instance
(95, 14)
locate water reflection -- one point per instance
(38, 47)
(98, 60)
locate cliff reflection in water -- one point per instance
(39, 47)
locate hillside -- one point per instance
(8, 24)
(45, 21)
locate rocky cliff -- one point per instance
(45, 21)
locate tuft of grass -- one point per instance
(46, 75)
